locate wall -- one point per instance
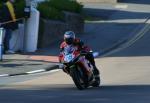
(52, 31)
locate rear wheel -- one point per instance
(97, 81)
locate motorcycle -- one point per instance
(78, 67)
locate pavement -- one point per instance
(19, 64)
(122, 20)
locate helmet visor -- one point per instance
(69, 40)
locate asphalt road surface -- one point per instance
(124, 74)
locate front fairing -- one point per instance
(69, 54)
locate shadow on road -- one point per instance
(108, 14)
(135, 1)
(119, 26)
(67, 94)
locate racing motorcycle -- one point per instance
(78, 67)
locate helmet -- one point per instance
(69, 37)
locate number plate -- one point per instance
(68, 57)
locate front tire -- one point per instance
(78, 78)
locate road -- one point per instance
(124, 75)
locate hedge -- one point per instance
(49, 12)
(20, 4)
(66, 5)
(53, 9)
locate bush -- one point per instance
(20, 4)
(53, 9)
(66, 5)
(1, 4)
(48, 12)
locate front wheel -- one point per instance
(78, 78)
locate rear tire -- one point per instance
(96, 82)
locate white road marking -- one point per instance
(36, 71)
(125, 21)
(4, 75)
(121, 6)
(56, 70)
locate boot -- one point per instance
(96, 71)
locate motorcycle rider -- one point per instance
(70, 39)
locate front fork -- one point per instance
(85, 65)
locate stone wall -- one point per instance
(51, 31)
(75, 22)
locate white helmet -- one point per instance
(69, 37)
